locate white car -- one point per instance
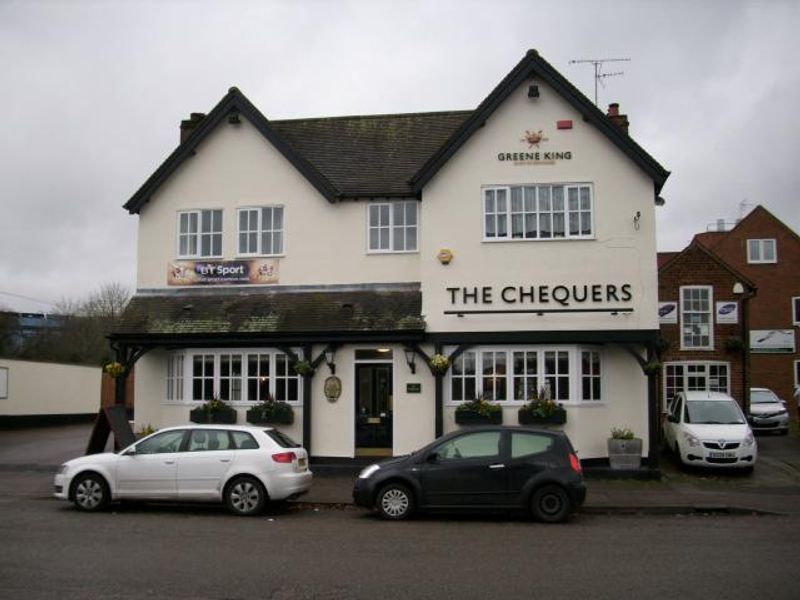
(709, 429)
(242, 466)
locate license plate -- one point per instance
(722, 454)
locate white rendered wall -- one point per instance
(44, 388)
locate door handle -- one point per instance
(169, 462)
(497, 466)
(224, 460)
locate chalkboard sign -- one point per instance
(413, 388)
(111, 419)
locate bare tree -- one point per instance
(86, 322)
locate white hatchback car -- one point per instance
(709, 429)
(242, 466)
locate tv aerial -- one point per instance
(599, 76)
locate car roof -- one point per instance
(754, 389)
(715, 396)
(217, 427)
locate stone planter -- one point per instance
(625, 454)
(223, 417)
(469, 417)
(526, 417)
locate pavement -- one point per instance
(29, 457)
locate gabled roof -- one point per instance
(234, 102)
(386, 155)
(532, 65)
(711, 239)
(674, 257)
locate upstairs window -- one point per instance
(393, 226)
(761, 251)
(261, 231)
(696, 325)
(538, 212)
(200, 234)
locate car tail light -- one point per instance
(284, 457)
(575, 464)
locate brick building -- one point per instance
(703, 311)
(762, 251)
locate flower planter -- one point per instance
(624, 454)
(256, 417)
(224, 417)
(469, 417)
(526, 417)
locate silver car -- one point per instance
(241, 466)
(767, 412)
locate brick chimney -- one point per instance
(190, 124)
(619, 120)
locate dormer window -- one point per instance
(761, 251)
(200, 234)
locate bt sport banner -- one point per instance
(222, 272)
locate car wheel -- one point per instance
(245, 496)
(784, 432)
(550, 504)
(395, 502)
(90, 492)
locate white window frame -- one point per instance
(757, 246)
(198, 235)
(796, 310)
(181, 378)
(3, 383)
(260, 230)
(505, 219)
(575, 374)
(685, 364)
(710, 313)
(391, 226)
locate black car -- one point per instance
(479, 468)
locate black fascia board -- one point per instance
(532, 65)
(629, 336)
(233, 101)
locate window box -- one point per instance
(225, 416)
(472, 417)
(527, 417)
(624, 454)
(280, 413)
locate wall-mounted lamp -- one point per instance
(233, 118)
(410, 360)
(636, 218)
(738, 288)
(329, 352)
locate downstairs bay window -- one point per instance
(232, 376)
(515, 375)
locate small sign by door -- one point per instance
(413, 388)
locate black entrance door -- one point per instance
(373, 406)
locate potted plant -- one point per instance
(542, 410)
(114, 369)
(213, 411)
(479, 412)
(624, 449)
(303, 367)
(270, 412)
(439, 364)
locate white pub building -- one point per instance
(323, 262)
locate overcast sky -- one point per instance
(93, 93)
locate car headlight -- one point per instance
(368, 471)
(749, 440)
(691, 439)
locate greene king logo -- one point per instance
(533, 138)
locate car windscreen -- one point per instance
(762, 397)
(716, 412)
(280, 438)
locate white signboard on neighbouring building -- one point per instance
(727, 312)
(668, 313)
(772, 340)
(3, 382)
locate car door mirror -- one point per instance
(672, 419)
(433, 457)
(130, 451)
